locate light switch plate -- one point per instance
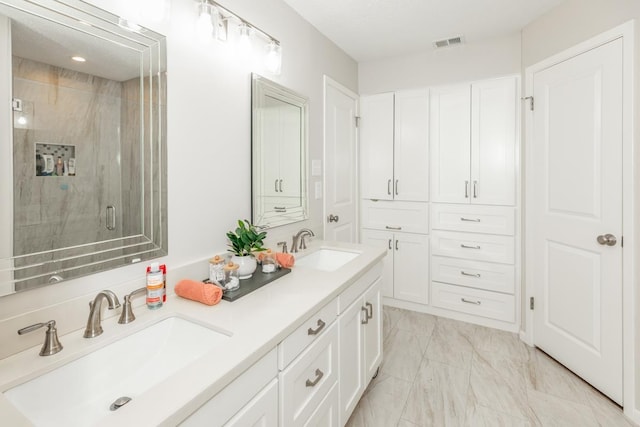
(316, 167)
(318, 190)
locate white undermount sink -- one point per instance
(81, 392)
(326, 259)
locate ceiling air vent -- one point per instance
(453, 41)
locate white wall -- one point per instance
(570, 23)
(208, 154)
(470, 61)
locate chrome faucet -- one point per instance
(299, 237)
(127, 315)
(94, 328)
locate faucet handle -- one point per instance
(127, 315)
(284, 246)
(51, 343)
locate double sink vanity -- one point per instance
(298, 351)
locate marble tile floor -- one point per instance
(444, 373)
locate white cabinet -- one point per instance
(249, 397)
(473, 140)
(406, 267)
(394, 144)
(262, 411)
(360, 327)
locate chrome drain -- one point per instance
(119, 402)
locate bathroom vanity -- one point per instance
(301, 349)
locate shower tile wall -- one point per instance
(71, 108)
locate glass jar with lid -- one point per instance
(216, 270)
(269, 263)
(231, 276)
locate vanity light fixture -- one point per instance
(78, 58)
(220, 19)
(204, 24)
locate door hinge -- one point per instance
(357, 121)
(531, 103)
(531, 303)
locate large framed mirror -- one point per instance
(82, 143)
(279, 154)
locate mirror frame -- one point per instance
(51, 266)
(261, 88)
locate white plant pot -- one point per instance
(247, 265)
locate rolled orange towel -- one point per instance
(285, 260)
(197, 291)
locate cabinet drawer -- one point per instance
(473, 301)
(473, 219)
(307, 333)
(308, 379)
(480, 247)
(411, 217)
(474, 274)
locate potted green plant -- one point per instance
(243, 242)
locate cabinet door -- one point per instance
(382, 239)
(372, 331)
(351, 376)
(376, 146)
(450, 135)
(261, 411)
(411, 146)
(493, 141)
(411, 268)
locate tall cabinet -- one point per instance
(394, 144)
(445, 204)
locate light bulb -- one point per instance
(244, 43)
(273, 61)
(204, 24)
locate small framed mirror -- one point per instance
(279, 154)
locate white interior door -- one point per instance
(340, 163)
(574, 195)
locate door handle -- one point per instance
(280, 186)
(111, 218)
(389, 187)
(275, 186)
(390, 244)
(369, 310)
(466, 189)
(366, 316)
(475, 189)
(607, 239)
(397, 180)
(333, 218)
(396, 245)
(317, 330)
(319, 375)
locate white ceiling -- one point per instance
(374, 29)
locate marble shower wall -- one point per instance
(70, 108)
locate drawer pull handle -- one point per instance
(469, 247)
(369, 310)
(366, 316)
(464, 273)
(317, 330)
(469, 219)
(392, 228)
(319, 375)
(470, 302)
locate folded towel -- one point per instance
(285, 260)
(197, 291)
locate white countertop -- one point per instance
(256, 322)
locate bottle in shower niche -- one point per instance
(155, 286)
